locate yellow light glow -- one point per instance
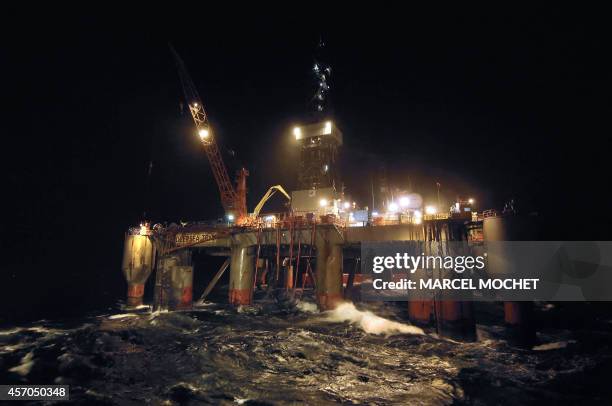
(203, 133)
(323, 202)
(471, 201)
(195, 104)
(297, 132)
(328, 127)
(393, 207)
(417, 220)
(404, 201)
(431, 210)
(418, 214)
(347, 205)
(144, 229)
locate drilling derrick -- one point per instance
(233, 199)
(319, 140)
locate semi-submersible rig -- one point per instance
(314, 245)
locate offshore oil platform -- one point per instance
(315, 245)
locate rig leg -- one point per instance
(138, 259)
(181, 282)
(456, 319)
(174, 282)
(518, 317)
(329, 274)
(420, 311)
(241, 275)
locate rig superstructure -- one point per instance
(314, 245)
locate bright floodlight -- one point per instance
(404, 201)
(471, 201)
(431, 210)
(323, 202)
(230, 217)
(195, 104)
(374, 214)
(393, 207)
(347, 205)
(203, 133)
(270, 218)
(297, 132)
(328, 127)
(418, 214)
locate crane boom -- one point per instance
(267, 197)
(232, 199)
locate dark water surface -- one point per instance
(272, 355)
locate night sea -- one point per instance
(150, 156)
(282, 352)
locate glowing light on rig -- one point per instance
(347, 205)
(328, 127)
(195, 104)
(431, 210)
(270, 219)
(393, 207)
(144, 229)
(230, 217)
(374, 214)
(471, 201)
(297, 132)
(404, 201)
(323, 202)
(203, 133)
(417, 217)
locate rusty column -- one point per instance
(181, 282)
(329, 271)
(456, 319)
(420, 311)
(174, 282)
(518, 316)
(241, 275)
(138, 259)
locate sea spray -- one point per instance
(369, 322)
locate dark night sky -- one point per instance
(493, 103)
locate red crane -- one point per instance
(233, 198)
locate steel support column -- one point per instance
(329, 272)
(138, 259)
(241, 275)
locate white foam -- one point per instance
(122, 316)
(307, 307)
(6, 349)
(9, 332)
(553, 346)
(369, 322)
(27, 362)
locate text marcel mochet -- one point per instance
(459, 264)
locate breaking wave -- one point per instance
(369, 322)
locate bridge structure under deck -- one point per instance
(289, 254)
